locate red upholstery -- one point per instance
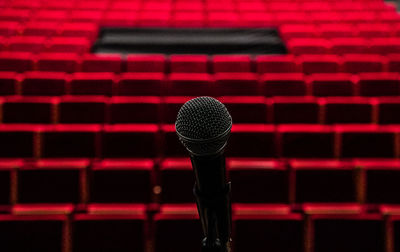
(89, 156)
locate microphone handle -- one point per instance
(213, 199)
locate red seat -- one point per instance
(324, 17)
(125, 5)
(129, 140)
(379, 84)
(252, 140)
(394, 63)
(190, 18)
(144, 84)
(300, 46)
(254, 177)
(364, 16)
(246, 109)
(146, 63)
(290, 17)
(122, 181)
(16, 141)
(57, 62)
(324, 181)
(320, 64)
(381, 178)
(9, 28)
(189, 63)
(284, 84)
(17, 109)
(23, 232)
(224, 18)
(50, 14)
(177, 228)
(279, 6)
(69, 141)
(176, 181)
(103, 221)
(85, 15)
(277, 228)
(135, 110)
(92, 5)
(153, 18)
(301, 110)
(92, 84)
(338, 110)
(388, 17)
(69, 45)
(59, 180)
(16, 61)
(43, 84)
(101, 63)
(256, 19)
(337, 30)
(388, 110)
(78, 29)
(33, 44)
(290, 31)
(374, 30)
(338, 228)
(18, 15)
(59, 5)
(384, 45)
(393, 219)
(122, 18)
(194, 84)
(358, 63)
(251, 6)
(237, 84)
(349, 45)
(231, 63)
(366, 141)
(8, 168)
(82, 110)
(8, 83)
(40, 28)
(188, 6)
(276, 64)
(306, 141)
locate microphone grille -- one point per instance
(203, 118)
(203, 125)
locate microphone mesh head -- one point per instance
(203, 125)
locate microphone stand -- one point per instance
(216, 219)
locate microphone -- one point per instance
(203, 125)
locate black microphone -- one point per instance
(203, 126)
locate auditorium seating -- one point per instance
(89, 157)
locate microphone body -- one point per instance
(212, 194)
(203, 125)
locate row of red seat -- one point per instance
(149, 140)
(340, 30)
(89, 30)
(324, 227)
(199, 18)
(36, 44)
(199, 5)
(123, 110)
(255, 180)
(232, 64)
(340, 46)
(195, 84)
(49, 28)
